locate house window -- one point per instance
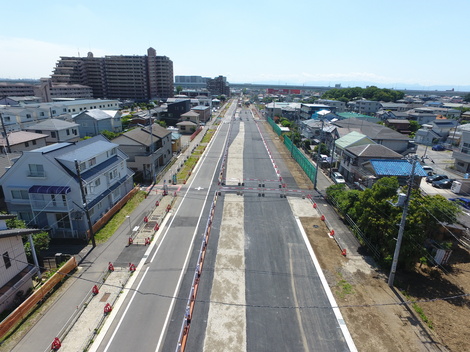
(53, 111)
(19, 194)
(38, 131)
(62, 221)
(68, 132)
(97, 182)
(82, 166)
(36, 170)
(25, 216)
(53, 134)
(34, 142)
(74, 131)
(91, 162)
(28, 116)
(113, 151)
(7, 118)
(6, 260)
(26, 144)
(42, 113)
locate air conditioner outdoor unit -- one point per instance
(456, 186)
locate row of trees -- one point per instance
(369, 93)
(378, 219)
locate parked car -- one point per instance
(337, 178)
(464, 202)
(438, 147)
(444, 183)
(428, 170)
(432, 178)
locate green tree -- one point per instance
(41, 243)
(178, 90)
(110, 135)
(323, 149)
(162, 123)
(378, 219)
(467, 98)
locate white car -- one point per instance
(337, 178)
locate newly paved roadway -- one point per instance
(285, 306)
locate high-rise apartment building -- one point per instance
(134, 77)
(218, 86)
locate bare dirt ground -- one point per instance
(375, 318)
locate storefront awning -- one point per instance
(50, 189)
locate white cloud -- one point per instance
(29, 58)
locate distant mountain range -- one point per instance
(364, 84)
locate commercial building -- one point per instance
(139, 78)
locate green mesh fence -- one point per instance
(301, 159)
(298, 156)
(275, 127)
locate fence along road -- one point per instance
(261, 292)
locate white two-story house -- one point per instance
(42, 187)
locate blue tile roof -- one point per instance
(395, 168)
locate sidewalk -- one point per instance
(91, 316)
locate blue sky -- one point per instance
(389, 43)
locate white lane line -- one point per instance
(165, 325)
(326, 287)
(125, 311)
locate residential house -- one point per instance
(308, 110)
(400, 125)
(462, 154)
(400, 107)
(351, 139)
(204, 113)
(57, 130)
(436, 131)
(148, 150)
(93, 122)
(191, 116)
(337, 105)
(173, 110)
(422, 115)
(379, 134)
(353, 158)
(42, 187)
(15, 272)
(367, 107)
(22, 140)
(401, 169)
(186, 127)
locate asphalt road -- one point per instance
(282, 288)
(143, 321)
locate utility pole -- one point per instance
(152, 167)
(401, 230)
(318, 156)
(5, 133)
(85, 205)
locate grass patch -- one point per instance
(183, 174)
(423, 316)
(343, 287)
(418, 310)
(110, 228)
(208, 136)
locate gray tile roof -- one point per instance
(52, 125)
(374, 151)
(96, 114)
(371, 130)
